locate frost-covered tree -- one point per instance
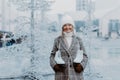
(33, 5)
(27, 29)
(87, 32)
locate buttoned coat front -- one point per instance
(68, 55)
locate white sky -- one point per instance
(69, 5)
(106, 4)
(63, 5)
(60, 6)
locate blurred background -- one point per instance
(29, 27)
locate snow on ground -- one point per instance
(104, 58)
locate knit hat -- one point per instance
(66, 19)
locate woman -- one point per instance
(68, 44)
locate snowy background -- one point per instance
(103, 65)
(20, 60)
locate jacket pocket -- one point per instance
(77, 67)
(59, 68)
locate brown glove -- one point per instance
(59, 68)
(78, 67)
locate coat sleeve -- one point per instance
(85, 57)
(53, 52)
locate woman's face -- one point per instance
(67, 28)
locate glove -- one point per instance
(78, 67)
(59, 68)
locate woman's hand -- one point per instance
(59, 68)
(78, 67)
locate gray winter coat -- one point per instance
(68, 55)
